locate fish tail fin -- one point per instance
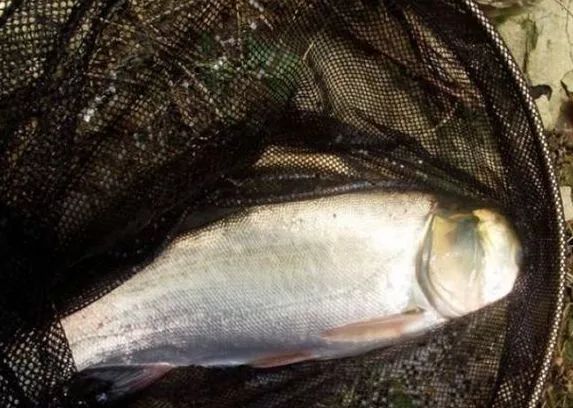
(107, 384)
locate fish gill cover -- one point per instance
(124, 121)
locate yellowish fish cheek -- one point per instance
(464, 295)
(454, 257)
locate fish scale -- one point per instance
(278, 277)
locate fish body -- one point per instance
(313, 279)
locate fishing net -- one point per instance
(121, 120)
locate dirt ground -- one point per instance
(559, 390)
(540, 36)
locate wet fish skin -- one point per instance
(254, 282)
(315, 279)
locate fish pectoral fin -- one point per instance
(118, 381)
(382, 328)
(281, 359)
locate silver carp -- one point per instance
(314, 279)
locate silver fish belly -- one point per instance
(314, 279)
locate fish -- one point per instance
(290, 282)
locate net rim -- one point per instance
(520, 82)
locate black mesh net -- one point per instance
(122, 120)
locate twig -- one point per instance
(310, 46)
(567, 10)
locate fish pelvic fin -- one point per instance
(386, 328)
(281, 359)
(107, 384)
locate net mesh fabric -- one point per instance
(121, 120)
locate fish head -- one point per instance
(468, 259)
